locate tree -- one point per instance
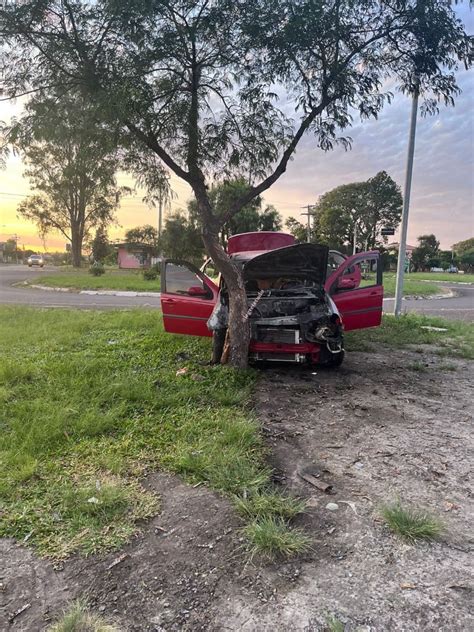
(147, 235)
(466, 260)
(363, 207)
(426, 255)
(181, 235)
(297, 229)
(463, 246)
(251, 217)
(10, 249)
(195, 82)
(71, 164)
(100, 246)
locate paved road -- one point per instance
(42, 298)
(459, 308)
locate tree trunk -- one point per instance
(76, 247)
(239, 330)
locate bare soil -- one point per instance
(377, 431)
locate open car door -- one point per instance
(187, 298)
(357, 290)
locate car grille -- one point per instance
(278, 335)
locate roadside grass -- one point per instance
(441, 276)
(78, 619)
(412, 524)
(411, 286)
(408, 331)
(269, 537)
(113, 279)
(90, 402)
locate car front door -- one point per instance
(358, 297)
(187, 298)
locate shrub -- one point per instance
(97, 269)
(150, 274)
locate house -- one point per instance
(134, 256)
(393, 247)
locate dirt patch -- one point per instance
(377, 431)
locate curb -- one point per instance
(123, 293)
(433, 297)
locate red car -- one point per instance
(298, 307)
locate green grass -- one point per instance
(90, 401)
(267, 503)
(442, 276)
(411, 524)
(411, 286)
(333, 624)
(407, 331)
(270, 537)
(79, 619)
(113, 279)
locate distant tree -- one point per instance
(252, 217)
(297, 229)
(71, 164)
(181, 238)
(466, 260)
(100, 246)
(463, 246)
(446, 258)
(10, 249)
(366, 207)
(198, 83)
(464, 252)
(146, 234)
(426, 255)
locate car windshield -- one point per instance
(35, 257)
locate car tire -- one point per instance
(29, 266)
(336, 360)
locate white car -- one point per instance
(35, 260)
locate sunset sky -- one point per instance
(443, 184)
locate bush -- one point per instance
(151, 274)
(97, 269)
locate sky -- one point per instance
(442, 200)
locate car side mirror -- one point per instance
(197, 290)
(346, 283)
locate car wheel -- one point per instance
(29, 265)
(337, 359)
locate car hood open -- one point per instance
(305, 261)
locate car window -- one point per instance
(179, 279)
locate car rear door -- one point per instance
(187, 298)
(357, 290)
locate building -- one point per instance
(393, 247)
(134, 256)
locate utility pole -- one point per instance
(406, 203)
(308, 214)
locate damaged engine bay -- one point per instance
(291, 316)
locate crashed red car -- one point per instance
(299, 305)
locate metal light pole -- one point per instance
(406, 205)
